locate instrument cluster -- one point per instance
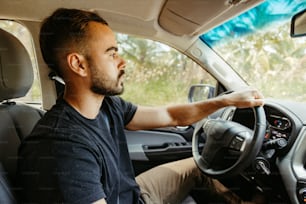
(278, 126)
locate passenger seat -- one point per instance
(17, 119)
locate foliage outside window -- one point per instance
(157, 74)
(257, 44)
(270, 61)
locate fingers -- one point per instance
(257, 94)
(257, 102)
(257, 98)
(247, 98)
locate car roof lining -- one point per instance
(178, 17)
(145, 9)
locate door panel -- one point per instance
(153, 147)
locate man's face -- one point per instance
(106, 67)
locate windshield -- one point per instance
(257, 44)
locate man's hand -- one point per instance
(243, 99)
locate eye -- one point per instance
(114, 54)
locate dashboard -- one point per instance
(282, 125)
(280, 166)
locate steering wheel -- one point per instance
(229, 147)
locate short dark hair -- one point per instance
(61, 29)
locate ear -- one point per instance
(77, 64)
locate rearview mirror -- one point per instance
(298, 24)
(200, 92)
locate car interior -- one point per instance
(261, 169)
(17, 119)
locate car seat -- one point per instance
(17, 119)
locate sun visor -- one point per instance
(190, 17)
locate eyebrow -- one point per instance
(112, 48)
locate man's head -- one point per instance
(64, 30)
(78, 44)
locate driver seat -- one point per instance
(17, 119)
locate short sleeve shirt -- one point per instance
(71, 159)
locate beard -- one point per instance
(105, 86)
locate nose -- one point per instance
(122, 63)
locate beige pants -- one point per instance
(170, 183)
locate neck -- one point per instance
(87, 103)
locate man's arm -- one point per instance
(186, 114)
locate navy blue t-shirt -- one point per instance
(71, 159)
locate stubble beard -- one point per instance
(107, 87)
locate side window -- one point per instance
(21, 32)
(157, 74)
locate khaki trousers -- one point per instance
(170, 183)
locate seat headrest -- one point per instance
(16, 71)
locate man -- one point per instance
(77, 153)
